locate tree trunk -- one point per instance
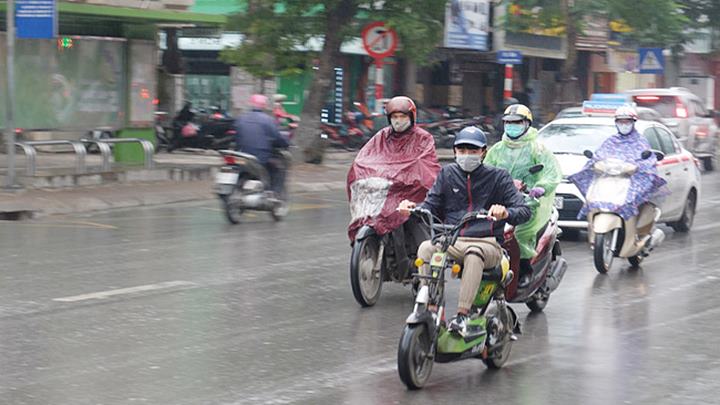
(569, 94)
(311, 145)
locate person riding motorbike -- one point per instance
(186, 114)
(258, 135)
(627, 145)
(402, 154)
(469, 185)
(518, 151)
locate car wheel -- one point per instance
(688, 216)
(708, 163)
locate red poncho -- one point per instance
(388, 169)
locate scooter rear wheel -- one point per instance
(602, 252)
(414, 358)
(636, 260)
(233, 210)
(538, 304)
(365, 280)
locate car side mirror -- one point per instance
(536, 168)
(588, 154)
(659, 155)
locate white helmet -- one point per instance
(626, 112)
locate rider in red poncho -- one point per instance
(398, 163)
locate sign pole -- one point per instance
(10, 101)
(378, 79)
(507, 89)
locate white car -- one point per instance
(568, 138)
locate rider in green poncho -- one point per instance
(517, 153)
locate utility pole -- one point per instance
(10, 103)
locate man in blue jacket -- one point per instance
(464, 186)
(257, 135)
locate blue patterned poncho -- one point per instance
(644, 184)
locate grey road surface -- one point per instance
(172, 305)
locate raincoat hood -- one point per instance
(388, 169)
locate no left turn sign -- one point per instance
(378, 40)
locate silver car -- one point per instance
(685, 114)
(568, 138)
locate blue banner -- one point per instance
(509, 57)
(36, 19)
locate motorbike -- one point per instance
(244, 183)
(547, 266)
(379, 258)
(492, 326)
(610, 235)
(205, 131)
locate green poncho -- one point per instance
(517, 157)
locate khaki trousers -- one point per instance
(476, 254)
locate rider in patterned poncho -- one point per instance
(627, 145)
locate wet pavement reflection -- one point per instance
(174, 305)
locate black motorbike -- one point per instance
(244, 183)
(215, 130)
(378, 258)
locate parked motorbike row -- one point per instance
(444, 123)
(208, 130)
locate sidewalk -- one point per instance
(31, 202)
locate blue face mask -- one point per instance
(514, 131)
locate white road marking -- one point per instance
(129, 290)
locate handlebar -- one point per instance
(436, 224)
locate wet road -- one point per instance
(173, 306)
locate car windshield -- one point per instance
(574, 138)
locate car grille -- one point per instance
(571, 207)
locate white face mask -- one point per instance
(624, 129)
(468, 162)
(400, 124)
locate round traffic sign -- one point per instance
(378, 40)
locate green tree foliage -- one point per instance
(279, 35)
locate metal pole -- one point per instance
(10, 104)
(378, 81)
(507, 88)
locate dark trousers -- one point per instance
(277, 171)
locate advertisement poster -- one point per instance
(467, 24)
(74, 83)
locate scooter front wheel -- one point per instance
(415, 360)
(603, 252)
(365, 273)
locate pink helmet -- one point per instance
(626, 112)
(258, 101)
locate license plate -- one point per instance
(226, 178)
(559, 202)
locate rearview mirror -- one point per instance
(536, 168)
(588, 154)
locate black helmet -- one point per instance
(471, 136)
